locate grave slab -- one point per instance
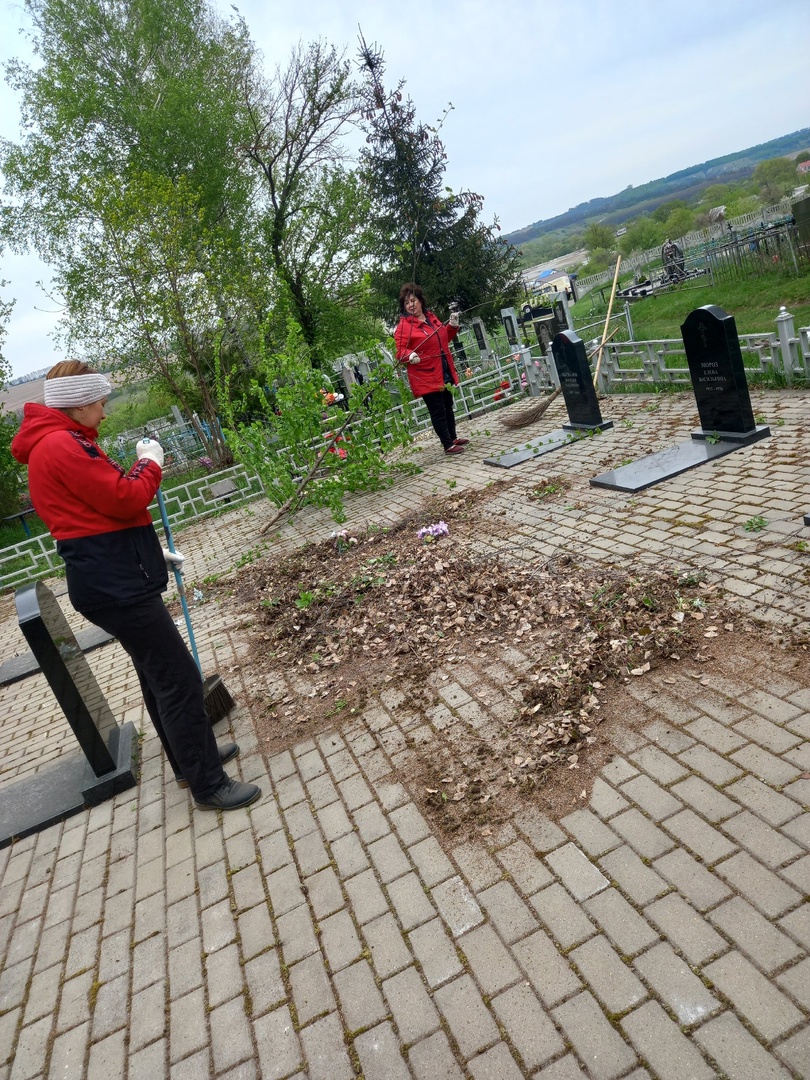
(584, 416)
(63, 789)
(20, 667)
(536, 447)
(724, 405)
(655, 468)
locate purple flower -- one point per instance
(432, 532)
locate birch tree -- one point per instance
(130, 124)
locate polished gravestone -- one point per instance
(724, 405)
(105, 765)
(584, 415)
(576, 383)
(510, 324)
(20, 667)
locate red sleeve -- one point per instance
(402, 336)
(90, 476)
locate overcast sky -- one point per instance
(554, 103)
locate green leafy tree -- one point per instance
(127, 180)
(11, 472)
(741, 204)
(134, 407)
(775, 178)
(642, 234)
(716, 195)
(598, 260)
(422, 230)
(662, 212)
(599, 237)
(314, 209)
(679, 222)
(305, 449)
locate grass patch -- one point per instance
(754, 304)
(12, 532)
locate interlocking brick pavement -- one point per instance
(662, 930)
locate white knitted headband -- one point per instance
(74, 391)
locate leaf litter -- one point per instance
(338, 625)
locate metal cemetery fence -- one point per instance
(197, 498)
(487, 383)
(700, 244)
(632, 364)
(28, 561)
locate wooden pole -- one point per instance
(607, 320)
(535, 412)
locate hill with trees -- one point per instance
(686, 186)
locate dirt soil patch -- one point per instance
(387, 610)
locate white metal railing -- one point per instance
(36, 558)
(663, 362)
(28, 561)
(625, 365)
(199, 498)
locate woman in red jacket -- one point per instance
(116, 571)
(423, 343)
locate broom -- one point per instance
(218, 701)
(535, 412)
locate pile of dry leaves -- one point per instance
(358, 612)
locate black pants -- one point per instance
(172, 688)
(440, 406)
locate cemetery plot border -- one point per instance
(717, 373)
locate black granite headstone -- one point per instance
(69, 675)
(458, 348)
(576, 381)
(724, 406)
(480, 339)
(718, 373)
(510, 325)
(105, 766)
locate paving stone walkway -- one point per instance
(661, 930)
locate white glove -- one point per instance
(174, 559)
(150, 448)
(454, 319)
(414, 358)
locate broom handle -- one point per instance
(590, 356)
(607, 320)
(178, 577)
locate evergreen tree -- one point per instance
(421, 230)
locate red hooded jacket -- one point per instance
(427, 339)
(97, 513)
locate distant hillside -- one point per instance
(679, 185)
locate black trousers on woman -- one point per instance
(172, 688)
(440, 406)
